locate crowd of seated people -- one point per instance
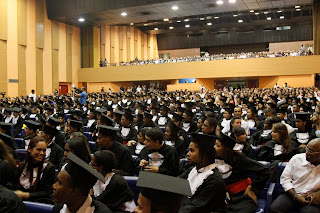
(207, 57)
(213, 139)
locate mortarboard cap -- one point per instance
(189, 112)
(1, 116)
(172, 126)
(49, 130)
(6, 138)
(159, 188)
(148, 115)
(5, 126)
(281, 110)
(203, 138)
(16, 109)
(76, 124)
(106, 120)
(271, 104)
(303, 115)
(107, 130)
(33, 125)
(227, 140)
(54, 121)
(177, 117)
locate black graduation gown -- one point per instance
(56, 154)
(193, 127)
(149, 125)
(267, 153)
(93, 127)
(295, 143)
(247, 150)
(209, 196)
(10, 202)
(181, 148)
(17, 128)
(157, 120)
(7, 173)
(116, 193)
(27, 138)
(131, 136)
(256, 139)
(44, 186)
(170, 165)
(98, 207)
(241, 167)
(291, 120)
(60, 139)
(125, 165)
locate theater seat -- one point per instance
(132, 182)
(19, 142)
(91, 146)
(38, 207)
(21, 154)
(88, 135)
(163, 128)
(85, 128)
(66, 117)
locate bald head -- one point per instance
(313, 151)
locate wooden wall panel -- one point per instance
(142, 45)
(47, 54)
(69, 53)
(121, 36)
(22, 22)
(103, 42)
(128, 44)
(116, 45)
(76, 54)
(145, 48)
(87, 55)
(3, 66)
(39, 23)
(135, 42)
(139, 44)
(132, 44)
(55, 35)
(3, 20)
(22, 86)
(62, 53)
(96, 46)
(39, 71)
(107, 45)
(124, 40)
(55, 69)
(112, 44)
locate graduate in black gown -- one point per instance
(8, 168)
(10, 202)
(135, 147)
(115, 193)
(71, 190)
(156, 156)
(188, 124)
(54, 152)
(280, 147)
(172, 139)
(17, 121)
(147, 120)
(59, 137)
(207, 186)
(106, 136)
(242, 144)
(126, 132)
(235, 167)
(35, 174)
(31, 132)
(163, 117)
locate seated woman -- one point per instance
(35, 175)
(115, 193)
(8, 168)
(200, 123)
(235, 168)
(78, 145)
(135, 147)
(235, 121)
(242, 145)
(172, 139)
(251, 118)
(263, 136)
(207, 186)
(279, 148)
(301, 137)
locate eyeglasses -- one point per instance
(310, 150)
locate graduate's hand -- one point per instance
(227, 198)
(301, 199)
(143, 163)
(251, 194)
(22, 195)
(131, 142)
(314, 198)
(151, 168)
(218, 130)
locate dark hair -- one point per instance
(232, 122)
(209, 114)
(155, 134)
(174, 135)
(28, 162)
(227, 154)
(7, 157)
(207, 152)
(284, 136)
(106, 159)
(212, 121)
(143, 131)
(237, 131)
(78, 144)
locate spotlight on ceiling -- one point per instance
(256, 13)
(187, 26)
(156, 28)
(281, 17)
(209, 24)
(279, 11)
(201, 19)
(240, 21)
(124, 14)
(81, 19)
(165, 19)
(219, 2)
(251, 11)
(131, 24)
(175, 7)
(232, 1)
(216, 17)
(145, 24)
(298, 9)
(266, 12)
(297, 6)
(234, 15)
(269, 18)
(179, 21)
(171, 28)
(186, 20)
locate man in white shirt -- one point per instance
(301, 182)
(237, 112)
(32, 95)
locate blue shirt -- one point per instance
(83, 97)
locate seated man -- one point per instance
(300, 180)
(156, 156)
(71, 191)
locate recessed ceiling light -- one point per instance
(256, 13)
(156, 28)
(124, 14)
(187, 26)
(232, 1)
(281, 17)
(81, 19)
(297, 6)
(235, 15)
(269, 18)
(145, 24)
(279, 11)
(209, 24)
(216, 17)
(201, 19)
(240, 21)
(131, 24)
(175, 7)
(171, 28)
(165, 19)
(266, 12)
(298, 9)
(251, 11)
(178, 21)
(219, 2)
(208, 17)
(186, 20)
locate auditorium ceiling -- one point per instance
(165, 16)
